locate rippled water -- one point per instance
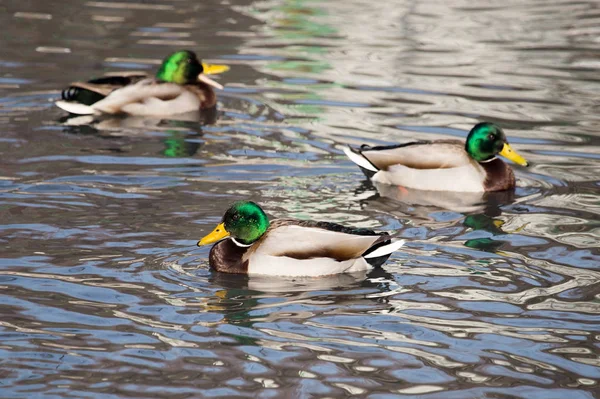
(105, 295)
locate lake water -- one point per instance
(105, 295)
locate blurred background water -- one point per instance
(104, 293)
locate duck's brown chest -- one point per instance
(499, 176)
(226, 257)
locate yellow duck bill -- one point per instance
(508, 153)
(216, 235)
(212, 69)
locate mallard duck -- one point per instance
(246, 242)
(443, 165)
(180, 86)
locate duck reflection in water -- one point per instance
(183, 131)
(419, 205)
(282, 284)
(486, 223)
(242, 296)
(477, 211)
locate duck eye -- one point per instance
(491, 137)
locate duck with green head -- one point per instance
(247, 242)
(179, 86)
(443, 165)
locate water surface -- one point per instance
(105, 294)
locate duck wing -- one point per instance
(440, 154)
(95, 90)
(139, 92)
(308, 239)
(442, 165)
(145, 97)
(305, 248)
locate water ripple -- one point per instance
(106, 295)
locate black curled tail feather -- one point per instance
(70, 93)
(82, 96)
(384, 239)
(367, 167)
(376, 262)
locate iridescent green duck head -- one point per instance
(244, 221)
(183, 67)
(486, 140)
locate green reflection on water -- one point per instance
(296, 20)
(176, 145)
(301, 66)
(300, 20)
(485, 223)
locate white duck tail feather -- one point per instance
(360, 160)
(385, 249)
(75, 108)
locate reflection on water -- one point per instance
(105, 294)
(183, 132)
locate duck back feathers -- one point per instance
(94, 90)
(418, 155)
